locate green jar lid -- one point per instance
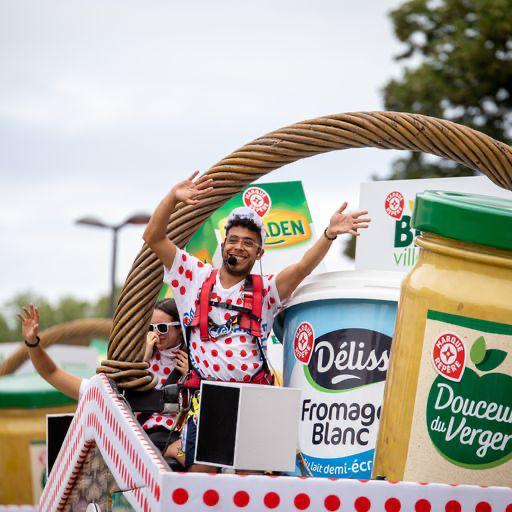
(483, 220)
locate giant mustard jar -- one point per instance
(447, 414)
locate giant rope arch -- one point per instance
(383, 130)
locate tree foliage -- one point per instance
(64, 310)
(458, 66)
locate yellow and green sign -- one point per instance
(285, 215)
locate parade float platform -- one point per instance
(105, 425)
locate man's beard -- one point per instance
(231, 263)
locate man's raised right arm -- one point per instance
(188, 192)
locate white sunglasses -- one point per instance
(162, 327)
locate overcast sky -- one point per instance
(105, 105)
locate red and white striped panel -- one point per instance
(102, 418)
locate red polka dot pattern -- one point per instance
(301, 501)
(271, 500)
(362, 504)
(180, 496)
(392, 505)
(422, 506)
(211, 498)
(332, 503)
(483, 506)
(452, 506)
(186, 278)
(241, 499)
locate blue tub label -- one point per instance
(342, 374)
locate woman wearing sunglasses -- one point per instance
(167, 360)
(163, 354)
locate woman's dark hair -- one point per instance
(168, 306)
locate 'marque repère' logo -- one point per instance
(303, 342)
(394, 205)
(449, 356)
(258, 200)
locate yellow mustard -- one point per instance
(447, 413)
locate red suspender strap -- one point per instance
(204, 305)
(245, 321)
(257, 303)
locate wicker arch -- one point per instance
(76, 332)
(384, 130)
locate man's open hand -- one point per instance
(350, 222)
(190, 192)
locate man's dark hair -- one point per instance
(244, 223)
(168, 306)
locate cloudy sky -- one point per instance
(105, 105)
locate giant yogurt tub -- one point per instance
(337, 330)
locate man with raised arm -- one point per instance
(228, 312)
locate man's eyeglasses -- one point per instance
(248, 243)
(162, 328)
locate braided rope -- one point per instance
(76, 332)
(384, 130)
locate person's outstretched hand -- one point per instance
(29, 323)
(190, 192)
(350, 222)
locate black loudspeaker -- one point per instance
(217, 425)
(57, 426)
(247, 426)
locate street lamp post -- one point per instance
(138, 218)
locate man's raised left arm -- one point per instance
(289, 278)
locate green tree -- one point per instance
(7, 333)
(64, 310)
(458, 66)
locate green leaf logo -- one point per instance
(485, 360)
(478, 350)
(493, 358)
